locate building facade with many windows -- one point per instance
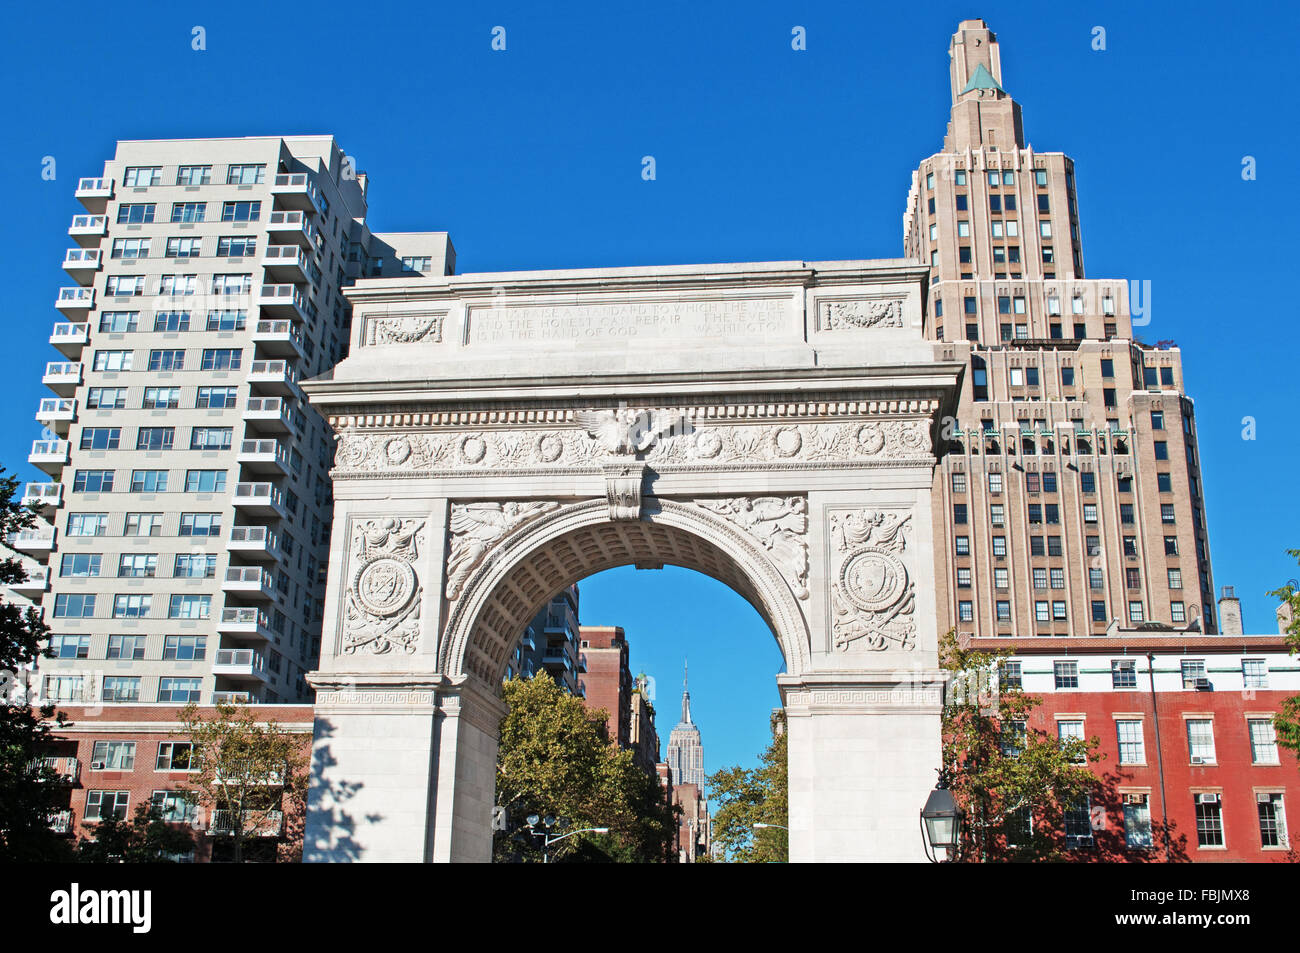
(188, 499)
(1069, 485)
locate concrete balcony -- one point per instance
(57, 413)
(76, 301)
(94, 194)
(50, 455)
(250, 582)
(260, 499)
(257, 824)
(45, 497)
(245, 622)
(35, 585)
(234, 698)
(243, 664)
(268, 414)
(285, 263)
(61, 821)
(70, 338)
(264, 456)
(274, 377)
(295, 190)
(62, 377)
(278, 339)
(38, 543)
(68, 769)
(81, 264)
(254, 542)
(88, 230)
(292, 227)
(283, 301)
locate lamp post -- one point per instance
(548, 838)
(941, 825)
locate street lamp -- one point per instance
(548, 838)
(941, 824)
(759, 826)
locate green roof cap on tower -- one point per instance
(982, 79)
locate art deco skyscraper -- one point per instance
(1069, 484)
(189, 501)
(685, 748)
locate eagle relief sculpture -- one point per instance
(382, 603)
(625, 432)
(872, 597)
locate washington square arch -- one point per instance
(502, 436)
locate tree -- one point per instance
(1015, 784)
(554, 759)
(744, 797)
(28, 787)
(1286, 722)
(149, 839)
(246, 772)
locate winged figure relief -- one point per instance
(476, 527)
(626, 432)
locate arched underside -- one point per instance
(543, 558)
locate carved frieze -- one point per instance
(872, 597)
(477, 527)
(382, 602)
(700, 445)
(843, 315)
(779, 524)
(407, 328)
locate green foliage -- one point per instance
(555, 759)
(29, 793)
(1287, 720)
(742, 797)
(998, 767)
(253, 772)
(148, 839)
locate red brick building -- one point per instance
(111, 758)
(1184, 722)
(607, 683)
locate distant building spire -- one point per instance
(686, 695)
(685, 750)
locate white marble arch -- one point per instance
(769, 425)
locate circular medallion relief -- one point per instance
(384, 586)
(873, 580)
(549, 447)
(708, 443)
(473, 448)
(397, 450)
(870, 438)
(788, 441)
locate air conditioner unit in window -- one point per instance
(1135, 798)
(1200, 759)
(1263, 798)
(1204, 685)
(96, 766)
(1207, 799)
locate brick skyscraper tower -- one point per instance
(1069, 485)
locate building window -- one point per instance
(168, 359)
(1069, 730)
(136, 177)
(138, 565)
(142, 524)
(1098, 610)
(131, 606)
(1137, 821)
(1132, 749)
(965, 611)
(1209, 821)
(93, 481)
(155, 438)
(184, 648)
(1272, 820)
(1066, 674)
(70, 646)
(114, 755)
(184, 247)
(101, 805)
(1177, 612)
(1010, 676)
(216, 398)
(194, 175)
(189, 607)
(121, 688)
(995, 482)
(1000, 580)
(1096, 579)
(221, 359)
(962, 545)
(1078, 825)
(1058, 610)
(174, 756)
(999, 546)
(177, 807)
(205, 481)
(1263, 741)
(200, 524)
(148, 481)
(130, 647)
(74, 605)
(1200, 740)
(210, 438)
(178, 689)
(236, 246)
(959, 513)
(1193, 671)
(161, 398)
(1135, 612)
(241, 211)
(1040, 578)
(1003, 609)
(1254, 672)
(963, 577)
(1042, 611)
(1123, 673)
(249, 174)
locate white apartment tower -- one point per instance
(188, 500)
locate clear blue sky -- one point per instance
(531, 159)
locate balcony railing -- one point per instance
(30, 539)
(61, 822)
(252, 534)
(263, 825)
(251, 574)
(42, 494)
(82, 258)
(63, 368)
(89, 224)
(67, 768)
(232, 698)
(94, 185)
(75, 298)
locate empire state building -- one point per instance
(685, 750)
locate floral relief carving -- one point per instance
(406, 329)
(382, 601)
(839, 315)
(872, 597)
